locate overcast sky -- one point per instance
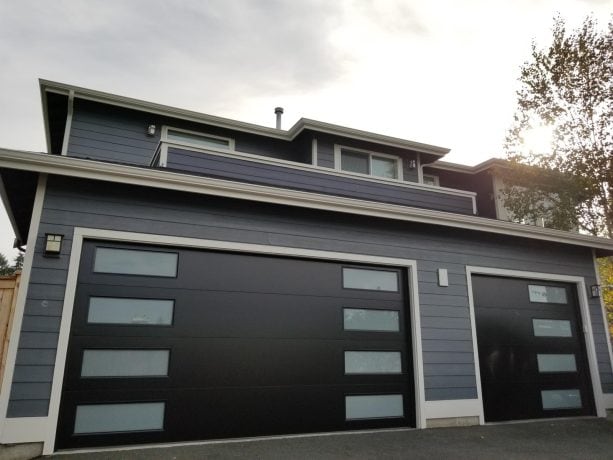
(440, 72)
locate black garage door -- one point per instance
(531, 350)
(181, 344)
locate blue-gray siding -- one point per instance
(446, 338)
(279, 176)
(119, 135)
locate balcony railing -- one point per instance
(255, 169)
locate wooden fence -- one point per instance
(9, 286)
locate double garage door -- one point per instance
(181, 344)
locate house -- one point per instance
(191, 277)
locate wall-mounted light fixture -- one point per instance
(595, 291)
(412, 164)
(151, 130)
(53, 244)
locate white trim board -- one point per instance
(454, 408)
(80, 234)
(68, 125)
(6, 432)
(585, 319)
(88, 169)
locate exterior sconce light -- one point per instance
(595, 291)
(151, 130)
(412, 164)
(53, 244)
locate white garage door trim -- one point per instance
(81, 234)
(579, 281)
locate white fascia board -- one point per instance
(189, 115)
(110, 172)
(457, 167)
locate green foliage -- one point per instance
(18, 261)
(5, 268)
(567, 87)
(605, 269)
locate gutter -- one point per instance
(146, 177)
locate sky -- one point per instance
(442, 72)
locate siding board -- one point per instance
(446, 335)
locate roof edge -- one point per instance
(190, 115)
(91, 169)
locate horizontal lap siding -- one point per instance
(279, 176)
(446, 335)
(114, 134)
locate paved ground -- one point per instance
(584, 439)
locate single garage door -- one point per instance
(180, 344)
(531, 350)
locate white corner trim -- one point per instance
(420, 169)
(603, 310)
(18, 318)
(588, 335)
(68, 125)
(24, 429)
(454, 408)
(147, 177)
(80, 234)
(473, 330)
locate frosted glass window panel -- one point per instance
(372, 280)
(384, 167)
(373, 406)
(198, 140)
(110, 310)
(373, 362)
(354, 162)
(114, 418)
(136, 262)
(551, 328)
(561, 399)
(547, 294)
(360, 319)
(556, 363)
(125, 363)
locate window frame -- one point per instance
(167, 128)
(435, 180)
(338, 150)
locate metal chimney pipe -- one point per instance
(278, 113)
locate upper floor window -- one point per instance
(196, 139)
(369, 163)
(431, 179)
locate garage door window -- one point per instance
(136, 262)
(547, 294)
(551, 328)
(125, 363)
(373, 362)
(561, 399)
(372, 280)
(114, 418)
(556, 363)
(360, 319)
(373, 406)
(112, 310)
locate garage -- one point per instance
(176, 344)
(532, 355)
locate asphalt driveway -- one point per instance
(588, 438)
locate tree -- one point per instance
(18, 261)
(605, 268)
(5, 268)
(566, 90)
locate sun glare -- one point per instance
(538, 139)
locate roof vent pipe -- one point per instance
(278, 113)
